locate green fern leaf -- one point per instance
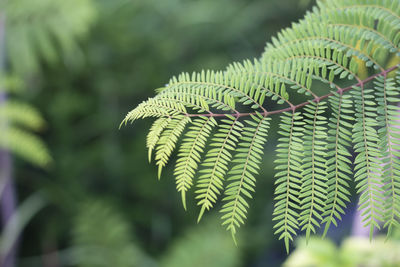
(367, 162)
(26, 145)
(215, 164)
(241, 176)
(338, 163)
(154, 134)
(22, 114)
(339, 42)
(168, 139)
(16, 120)
(288, 176)
(190, 151)
(29, 40)
(388, 114)
(313, 183)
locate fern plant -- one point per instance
(44, 31)
(17, 121)
(355, 43)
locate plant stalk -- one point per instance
(295, 107)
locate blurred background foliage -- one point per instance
(354, 251)
(83, 64)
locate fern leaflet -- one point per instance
(367, 162)
(338, 163)
(190, 153)
(216, 162)
(388, 114)
(288, 177)
(241, 176)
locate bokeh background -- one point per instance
(83, 189)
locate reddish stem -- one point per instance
(293, 108)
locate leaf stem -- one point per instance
(294, 107)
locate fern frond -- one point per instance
(206, 239)
(215, 164)
(388, 114)
(339, 165)
(154, 134)
(340, 42)
(358, 23)
(34, 32)
(154, 107)
(167, 141)
(22, 114)
(114, 247)
(367, 163)
(26, 145)
(11, 84)
(313, 183)
(273, 84)
(189, 154)
(241, 176)
(288, 177)
(17, 120)
(206, 90)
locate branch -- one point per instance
(293, 108)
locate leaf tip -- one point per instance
(201, 213)
(183, 194)
(149, 154)
(159, 171)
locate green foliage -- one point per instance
(215, 164)
(35, 31)
(313, 183)
(132, 47)
(241, 176)
(367, 162)
(387, 97)
(331, 45)
(338, 158)
(17, 121)
(168, 139)
(354, 251)
(38, 30)
(210, 240)
(32, 32)
(288, 176)
(113, 247)
(116, 247)
(189, 153)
